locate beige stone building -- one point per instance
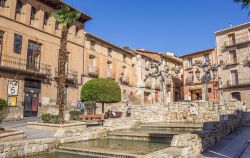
(232, 45)
(194, 88)
(173, 82)
(29, 45)
(103, 59)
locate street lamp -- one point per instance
(207, 68)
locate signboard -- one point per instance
(80, 106)
(12, 100)
(13, 88)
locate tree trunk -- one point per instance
(102, 107)
(61, 71)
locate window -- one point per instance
(209, 90)
(19, 6)
(232, 57)
(46, 18)
(18, 39)
(231, 39)
(1, 43)
(236, 95)
(206, 57)
(190, 62)
(33, 14)
(56, 26)
(124, 58)
(2, 3)
(33, 55)
(78, 29)
(234, 77)
(92, 45)
(110, 52)
(190, 76)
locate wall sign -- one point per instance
(12, 100)
(13, 88)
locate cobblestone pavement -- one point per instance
(231, 146)
(30, 133)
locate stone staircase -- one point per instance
(245, 120)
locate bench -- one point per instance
(99, 118)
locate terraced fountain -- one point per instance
(136, 142)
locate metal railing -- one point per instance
(93, 71)
(237, 41)
(189, 80)
(125, 80)
(11, 62)
(157, 86)
(238, 82)
(148, 85)
(70, 74)
(110, 74)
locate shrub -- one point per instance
(4, 109)
(101, 91)
(75, 115)
(50, 118)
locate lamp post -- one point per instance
(163, 71)
(210, 72)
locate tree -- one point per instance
(4, 109)
(66, 17)
(244, 3)
(101, 91)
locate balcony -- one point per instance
(158, 86)
(237, 41)
(21, 66)
(71, 76)
(237, 83)
(148, 85)
(110, 75)
(231, 63)
(93, 72)
(124, 80)
(189, 80)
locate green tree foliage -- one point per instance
(66, 17)
(101, 91)
(4, 109)
(244, 3)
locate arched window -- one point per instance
(2, 3)
(19, 6)
(46, 18)
(33, 13)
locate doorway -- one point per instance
(32, 89)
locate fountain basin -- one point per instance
(115, 147)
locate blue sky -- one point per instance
(179, 26)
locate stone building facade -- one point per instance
(29, 42)
(29, 47)
(194, 88)
(232, 45)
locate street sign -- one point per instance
(13, 88)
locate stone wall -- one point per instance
(192, 144)
(27, 147)
(187, 112)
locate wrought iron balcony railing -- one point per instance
(237, 41)
(239, 82)
(93, 71)
(70, 75)
(125, 80)
(157, 86)
(110, 75)
(22, 65)
(148, 85)
(189, 80)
